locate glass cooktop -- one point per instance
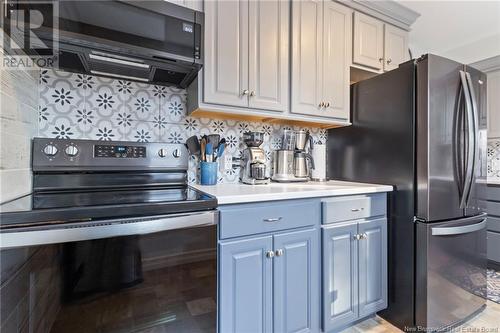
(66, 206)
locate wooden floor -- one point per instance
(486, 321)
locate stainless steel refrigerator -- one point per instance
(422, 128)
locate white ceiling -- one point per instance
(466, 31)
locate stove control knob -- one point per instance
(50, 150)
(162, 152)
(71, 151)
(177, 153)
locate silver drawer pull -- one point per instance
(270, 254)
(356, 237)
(356, 209)
(279, 252)
(274, 219)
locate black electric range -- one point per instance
(83, 180)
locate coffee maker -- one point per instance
(254, 160)
(293, 162)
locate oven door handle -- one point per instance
(81, 231)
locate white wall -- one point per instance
(18, 124)
(465, 31)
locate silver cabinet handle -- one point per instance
(270, 254)
(389, 61)
(357, 237)
(327, 104)
(274, 219)
(381, 59)
(279, 252)
(252, 93)
(321, 105)
(356, 209)
(364, 235)
(245, 92)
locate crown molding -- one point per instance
(389, 11)
(487, 65)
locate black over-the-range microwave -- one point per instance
(150, 41)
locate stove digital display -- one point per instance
(119, 151)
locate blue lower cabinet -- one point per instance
(245, 285)
(296, 282)
(270, 283)
(354, 271)
(340, 275)
(372, 266)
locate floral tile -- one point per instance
(92, 107)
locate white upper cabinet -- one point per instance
(336, 59)
(395, 47)
(321, 51)
(246, 54)
(378, 46)
(226, 53)
(307, 33)
(368, 48)
(493, 104)
(268, 72)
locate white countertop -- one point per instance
(242, 193)
(493, 181)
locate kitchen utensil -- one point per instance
(253, 139)
(193, 145)
(214, 139)
(222, 141)
(203, 145)
(209, 152)
(220, 150)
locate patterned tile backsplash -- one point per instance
(494, 159)
(90, 107)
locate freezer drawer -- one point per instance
(451, 271)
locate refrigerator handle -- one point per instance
(475, 129)
(470, 142)
(463, 229)
(458, 151)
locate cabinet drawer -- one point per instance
(493, 208)
(494, 246)
(241, 220)
(493, 223)
(353, 207)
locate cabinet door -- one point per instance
(337, 41)
(368, 47)
(245, 285)
(340, 275)
(395, 47)
(307, 27)
(268, 72)
(226, 52)
(493, 97)
(372, 266)
(296, 282)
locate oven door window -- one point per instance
(163, 282)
